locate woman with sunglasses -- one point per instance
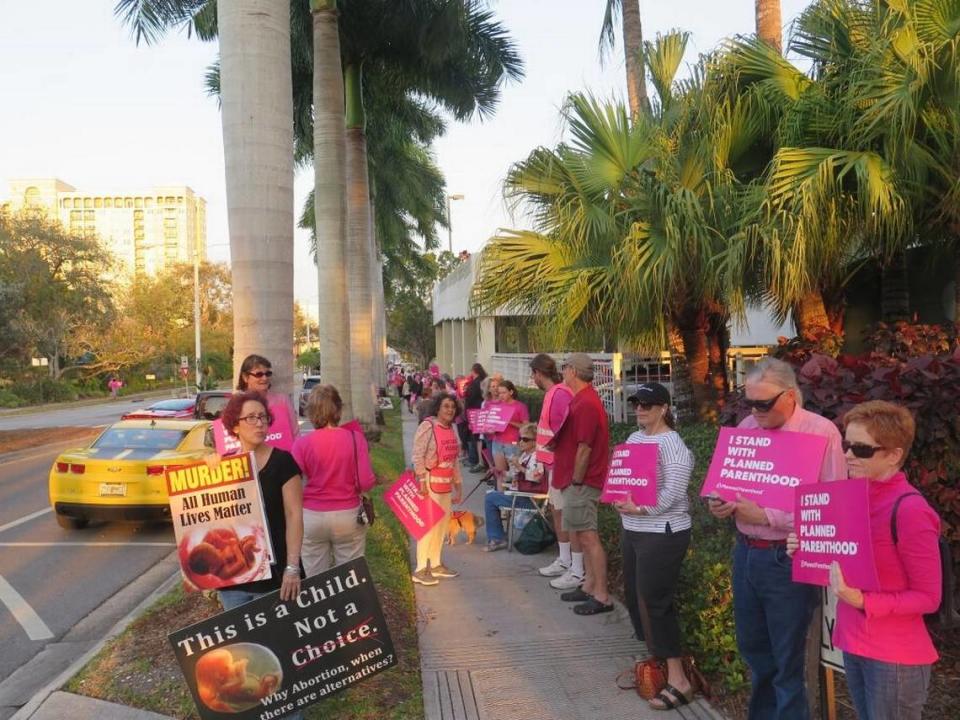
(528, 476)
(887, 651)
(256, 373)
(336, 463)
(655, 541)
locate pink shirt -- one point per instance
(833, 467)
(890, 626)
(331, 468)
(521, 414)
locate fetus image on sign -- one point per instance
(222, 554)
(235, 678)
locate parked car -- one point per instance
(121, 474)
(210, 403)
(309, 382)
(177, 409)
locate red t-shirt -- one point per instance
(586, 423)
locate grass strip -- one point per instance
(138, 668)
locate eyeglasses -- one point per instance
(763, 405)
(256, 419)
(261, 374)
(860, 450)
(527, 439)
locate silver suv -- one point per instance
(310, 382)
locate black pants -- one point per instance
(651, 569)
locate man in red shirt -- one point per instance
(581, 453)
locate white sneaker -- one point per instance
(554, 569)
(567, 581)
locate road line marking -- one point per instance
(87, 544)
(24, 614)
(25, 518)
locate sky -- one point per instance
(82, 102)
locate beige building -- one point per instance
(145, 231)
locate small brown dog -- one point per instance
(463, 520)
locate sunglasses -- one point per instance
(860, 450)
(527, 439)
(643, 405)
(261, 374)
(763, 405)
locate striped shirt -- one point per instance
(674, 467)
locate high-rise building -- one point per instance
(146, 232)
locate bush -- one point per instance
(44, 391)
(9, 400)
(533, 399)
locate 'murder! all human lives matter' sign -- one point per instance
(763, 465)
(833, 525)
(269, 658)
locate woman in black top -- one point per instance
(246, 417)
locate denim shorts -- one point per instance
(506, 449)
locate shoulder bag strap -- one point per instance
(356, 463)
(893, 516)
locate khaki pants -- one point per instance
(331, 537)
(431, 544)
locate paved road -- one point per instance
(51, 578)
(102, 413)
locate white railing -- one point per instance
(616, 376)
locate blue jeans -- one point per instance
(886, 691)
(772, 614)
(492, 503)
(235, 598)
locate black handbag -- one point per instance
(366, 515)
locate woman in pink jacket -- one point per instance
(887, 651)
(336, 470)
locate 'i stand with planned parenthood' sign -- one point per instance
(269, 658)
(764, 466)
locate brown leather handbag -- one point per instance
(650, 677)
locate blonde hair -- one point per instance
(529, 427)
(890, 425)
(324, 406)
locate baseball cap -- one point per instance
(580, 362)
(652, 392)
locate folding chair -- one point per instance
(539, 501)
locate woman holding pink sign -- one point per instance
(256, 373)
(655, 541)
(505, 441)
(887, 651)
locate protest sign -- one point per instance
(219, 522)
(763, 465)
(632, 471)
(279, 434)
(269, 658)
(499, 416)
(418, 514)
(833, 525)
(476, 420)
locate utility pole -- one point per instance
(455, 196)
(196, 312)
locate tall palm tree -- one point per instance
(769, 23)
(255, 95)
(632, 32)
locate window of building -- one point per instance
(179, 199)
(148, 202)
(98, 202)
(76, 215)
(128, 202)
(138, 202)
(108, 202)
(118, 202)
(89, 215)
(88, 202)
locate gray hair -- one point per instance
(585, 375)
(776, 372)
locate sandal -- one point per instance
(495, 545)
(577, 595)
(671, 701)
(593, 607)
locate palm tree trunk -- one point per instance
(694, 329)
(330, 199)
(769, 25)
(680, 378)
(810, 315)
(257, 118)
(359, 252)
(633, 54)
(894, 290)
(718, 342)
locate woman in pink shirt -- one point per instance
(887, 651)
(256, 373)
(505, 441)
(336, 467)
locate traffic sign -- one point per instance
(184, 362)
(184, 371)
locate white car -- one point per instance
(309, 382)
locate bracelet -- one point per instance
(291, 570)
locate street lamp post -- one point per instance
(196, 312)
(455, 196)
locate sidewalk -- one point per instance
(497, 643)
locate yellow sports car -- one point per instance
(121, 475)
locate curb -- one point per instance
(26, 711)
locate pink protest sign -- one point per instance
(833, 524)
(498, 417)
(474, 416)
(632, 471)
(279, 434)
(763, 465)
(417, 513)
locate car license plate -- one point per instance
(113, 489)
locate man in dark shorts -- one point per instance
(581, 453)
